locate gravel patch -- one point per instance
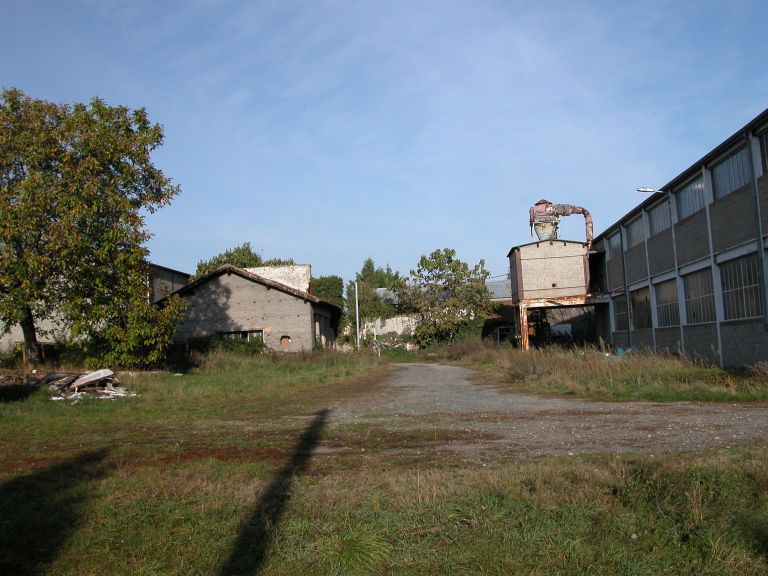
(503, 425)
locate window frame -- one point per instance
(741, 287)
(634, 231)
(699, 308)
(689, 204)
(640, 303)
(653, 211)
(620, 315)
(719, 191)
(667, 304)
(247, 335)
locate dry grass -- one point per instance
(591, 373)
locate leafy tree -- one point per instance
(241, 256)
(446, 294)
(329, 288)
(74, 183)
(371, 304)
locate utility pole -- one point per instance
(357, 318)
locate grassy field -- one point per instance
(589, 373)
(238, 468)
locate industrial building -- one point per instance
(683, 272)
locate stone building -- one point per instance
(236, 303)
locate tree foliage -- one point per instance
(242, 256)
(329, 288)
(74, 183)
(372, 305)
(446, 294)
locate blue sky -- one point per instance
(333, 131)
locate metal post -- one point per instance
(357, 318)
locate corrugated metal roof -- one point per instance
(500, 289)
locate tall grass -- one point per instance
(588, 372)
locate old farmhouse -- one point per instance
(243, 303)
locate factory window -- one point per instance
(640, 300)
(732, 173)
(635, 232)
(614, 247)
(699, 297)
(659, 218)
(690, 198)
(247, 335)
(620, 314)
(764, 151)
(741, 288)
(667, 309)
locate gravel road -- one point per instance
(483, 423)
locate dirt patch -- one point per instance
(473, 420)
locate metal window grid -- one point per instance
(667, 307)
(690, 198)
(659, 218)
(699, 297)
(640, 300)
(620, 314)
(732, 173)
(635, 232)
(740, 279)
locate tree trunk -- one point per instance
(31, 346)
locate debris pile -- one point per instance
(101, 383)
(10, 378)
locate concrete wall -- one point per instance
(297, 276)
(48, 332)
(550, 269)
(229, 303)
(402, 324)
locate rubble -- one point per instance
(74, 385)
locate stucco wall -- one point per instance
(297, 276)
(229, 303)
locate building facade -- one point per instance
(685, 271)
(235, 303)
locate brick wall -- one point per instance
(692, 238)
(701, 340)
(551, 269)
(733, 219)
(661, 255)
(634, 259)
(743, 341)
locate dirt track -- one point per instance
(482, 423)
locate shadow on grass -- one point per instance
(15, 392)
(253, 541)
(40, 511)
